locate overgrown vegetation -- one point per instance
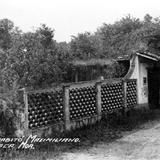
(35, 59)
(110, 128)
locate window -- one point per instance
(144, 80)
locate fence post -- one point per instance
(98, 100)
(25, 96)
(66, 108)
(125, 97)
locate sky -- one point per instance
(70, 17)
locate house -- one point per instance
(145, 67)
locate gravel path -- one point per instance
(143, 144)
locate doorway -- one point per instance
(154, 88)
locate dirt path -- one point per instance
(143, 144)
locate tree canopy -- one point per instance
(36, 59)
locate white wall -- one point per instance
(135, 75)
(140, 71)
(143, 95)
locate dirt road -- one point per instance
(143, 144)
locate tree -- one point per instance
(83, 46)
(46, 35)
(6, 27)
(129, 35)
(35, 59)
(117, 38)
(148, 19)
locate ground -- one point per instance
(132, 137)
(141, 144)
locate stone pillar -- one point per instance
(26, 109)
(98, 100)
(66, 108)
(124, 97)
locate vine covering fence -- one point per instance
(79, 104)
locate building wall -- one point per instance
(140, 73)
(135, 75)
(143, 83)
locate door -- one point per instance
(153, 88)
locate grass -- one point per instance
(110, 128)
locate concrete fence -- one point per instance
(75, 105)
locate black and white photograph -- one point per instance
(79, 80)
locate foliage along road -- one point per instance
(143, 144)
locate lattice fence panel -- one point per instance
(131, 94)
(82, 102)
(111, 97)
(45, 108)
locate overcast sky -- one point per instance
(70, 17)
